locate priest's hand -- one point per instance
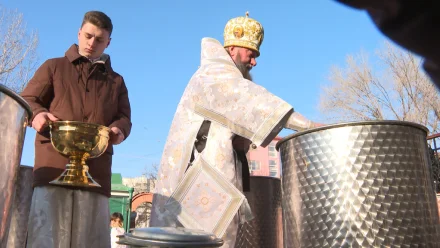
(316, 124)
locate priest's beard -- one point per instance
(244, 68)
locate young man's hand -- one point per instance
(41, 120)
(116, 136)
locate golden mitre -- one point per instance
(244, 32)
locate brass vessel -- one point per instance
(79, 141)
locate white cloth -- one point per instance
(115, 232)
(66, 218)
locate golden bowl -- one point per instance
(79, 141)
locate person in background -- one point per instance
(116, 224)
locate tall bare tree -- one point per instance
(394, 88)
(18, 58)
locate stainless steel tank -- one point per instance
(20, 208)
(365, 184)
(14, 116)
(265, 230)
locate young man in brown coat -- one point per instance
(81, 86)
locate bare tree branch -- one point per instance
(396, 88)
(151, 174)
(18, 59)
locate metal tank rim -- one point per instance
(346, 124)
(17, 98)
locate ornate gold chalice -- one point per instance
(79, 141)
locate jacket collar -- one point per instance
(73, 55)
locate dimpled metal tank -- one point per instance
(365, 184)
(265, 230)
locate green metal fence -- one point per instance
(120, 200)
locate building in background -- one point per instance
(265, 161)
(142, 200)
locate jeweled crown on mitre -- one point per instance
(244, 32)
